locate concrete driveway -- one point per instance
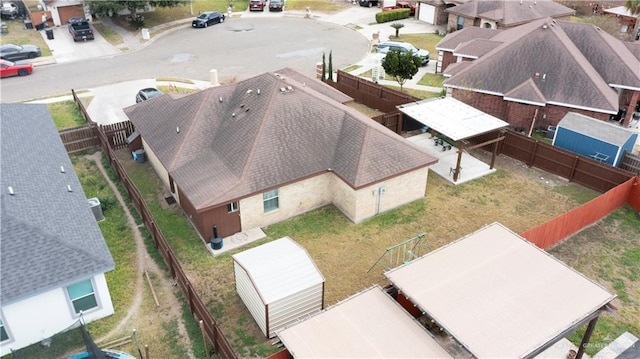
(64, 49)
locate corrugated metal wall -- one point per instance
(289, 309)
(250, 297)
(584, 145)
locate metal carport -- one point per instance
(457, 121)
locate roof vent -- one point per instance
(249, 91)
(544, 77)
(220, 99)
(69, 188)
(177, 129)
(246, 109)
(233, 114)
(258, 91)
(289, 88)
(537, 75)
(544, 26)
(304, 84)
(283, 90)
(520, 2)
(530, 7)
(242, 106)
(10, 189)
(62, 169)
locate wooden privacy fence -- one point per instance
(576, 168)
(80, 138)
(631, 163)
(197, 307)
(370, 93)
(553, 231)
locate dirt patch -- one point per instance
(148, 320)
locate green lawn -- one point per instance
(20, 36)
(65, 114)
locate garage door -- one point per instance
(427, 13)
(67, 12)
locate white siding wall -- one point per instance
(34, 319)
(287, 310)
(250, 297)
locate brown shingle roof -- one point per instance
(263, 132)
(570, 64)
(454, 39)
(511, 12)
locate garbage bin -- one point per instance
(139, 156)
(49, 33)
(28, 24)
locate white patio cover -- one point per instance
(452, 118)
(497, 294)
(368, 325)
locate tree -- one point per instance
(397, 26)
(330, 66)
(112, 7)
(633, 6)
(324, 68)
(401, 66)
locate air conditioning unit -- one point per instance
(96, 208)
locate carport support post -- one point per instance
(456, 173)
(586, 337)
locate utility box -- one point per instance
(135, 141)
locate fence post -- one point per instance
(573, 168)
(533, 154)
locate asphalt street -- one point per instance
(238, 49)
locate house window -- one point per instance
(460, 23)
(270, 200)
(82, 296)
(3, 332)
(232, 207)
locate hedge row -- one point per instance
(397, 14)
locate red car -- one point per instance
(256, 5)
(20, 68)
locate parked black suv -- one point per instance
(368, 3)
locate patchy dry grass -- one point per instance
(609, 253)
(344, 251)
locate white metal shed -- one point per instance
(279, 283)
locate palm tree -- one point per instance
(633, 6)
(397, 26)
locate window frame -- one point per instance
(269, 197)
(233, 207)
(93, 293)
(4, 329)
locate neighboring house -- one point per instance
(532, 75)
(63, 10)
(628, 22)
(501, 14)
(268, 148)
(53, 255)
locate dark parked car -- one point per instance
(368, 3)
(256, 5)
(208, 18)
(76, 19)
(20, 68)
(276, 5)
(13, 52)
(146, 94)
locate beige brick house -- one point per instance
(271, 147)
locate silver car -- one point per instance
(403, 47)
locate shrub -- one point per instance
(391, 15)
